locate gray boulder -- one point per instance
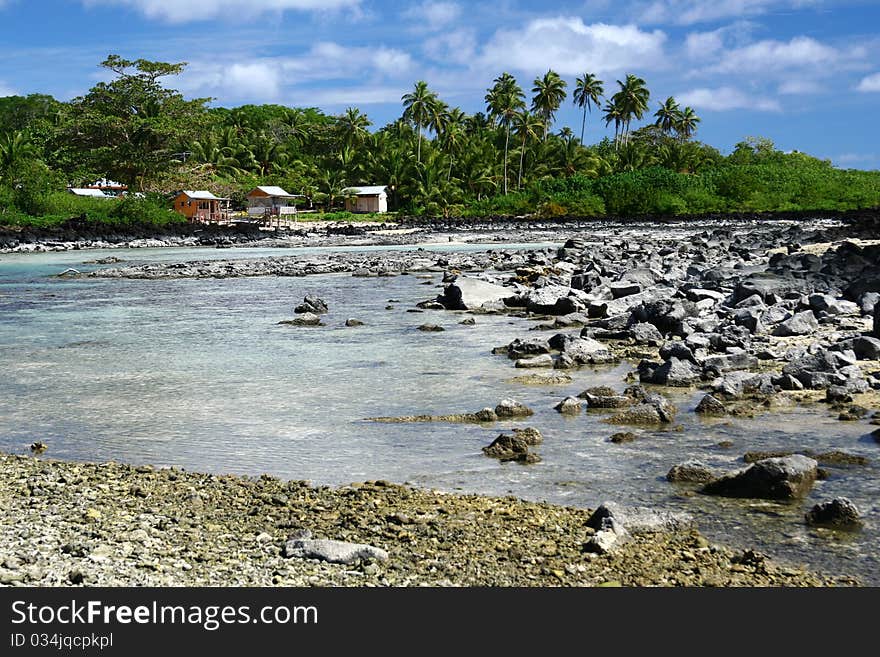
(542, 360)
(676, 373)
(876, 323)
(868, 302)
(690, 472)
(332, 551)
(511, 448)
(470, 293)
(803, 323)
(569, 406)
(638, 519)
(305, 319)
(730, 362)
(512, 408)
(784, 478)
(828, 304)
(710, 406)
(587, 351)
(624, 289)
(644, 333)
(839, 513)
(312, 304)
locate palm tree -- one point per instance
(527, 126)
(632, 99)
(418, 107)
(15, 147)
(353, 125)
(687, 123)
(549, 93)
(503, 101)
(587, 93)
(614, 113)
(668, 116)
(452, 135)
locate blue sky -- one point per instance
(805, 73)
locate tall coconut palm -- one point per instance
(418, 107)
(613, 114)
(687, 122)
(452, 134)
(353, 124)
(527, 126)
(668, 116)
(549, 92)
(588, 91)
(503, 101)
(632, 99)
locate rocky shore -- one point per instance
(755, 316)
(119, 525)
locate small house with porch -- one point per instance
(201, 206)
(373, 198)
(271, 201)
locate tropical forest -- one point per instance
(510, 159)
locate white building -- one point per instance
(373, 198)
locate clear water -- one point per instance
(198, 374)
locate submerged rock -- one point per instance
(569, 406)
(305, 319)
(691, 472)
(471, 293)
(542, 360)
(511, 448)
(512, 408)
(312, 304)
(623, 437)
(839, 513)
(431, 328)
(710, 406)
(783, 478)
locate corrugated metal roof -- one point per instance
(201, 195)
(84, 191)
(370, 190)
(272, 190)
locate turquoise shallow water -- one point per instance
(198, 374)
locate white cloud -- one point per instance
(770, 55)
(185, 11)
(257, 79)
(870, 83)
(456, 46)
(4, 90)
(271, 78)
(800, 87)
(688, 12)
(570, 47)
(722, 99)
(433, 15)
(703, 44)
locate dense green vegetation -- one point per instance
(437, 160)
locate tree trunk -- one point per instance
(506, 142)
(521, 156)
(583, 124)
(419, 149)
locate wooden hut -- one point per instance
(201, 206)
(373, 198)
(270, 201)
